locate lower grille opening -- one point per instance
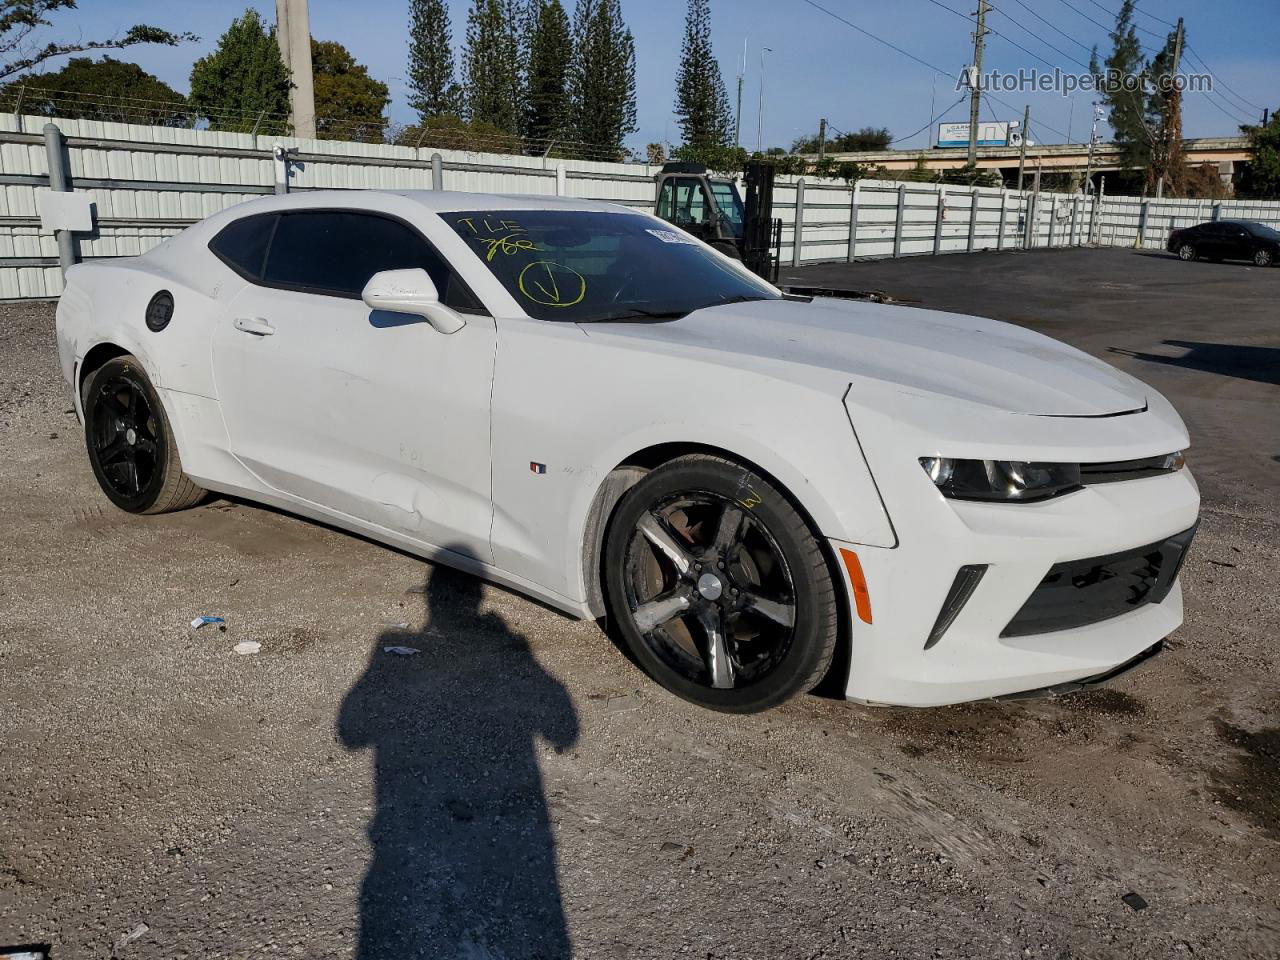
(962, 588)
(1080, 592)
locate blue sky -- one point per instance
(817, 65)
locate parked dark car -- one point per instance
(1227, 240)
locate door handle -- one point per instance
(254, 325)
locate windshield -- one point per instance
(730, 204)
(1262, 231)
(585, 266)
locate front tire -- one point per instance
(1264, 258)
(1186, 252)
(130, 441)
(720, 589)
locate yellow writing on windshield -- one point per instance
(552, 284)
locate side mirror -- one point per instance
(412, 292)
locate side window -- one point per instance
(335, 252)
(242, 244)
(691, 206)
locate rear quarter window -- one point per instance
(242, 244)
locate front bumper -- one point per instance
(1020, 543)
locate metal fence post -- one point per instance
(1004, 209)
(561, 180)
(56, 152)
(973, 218)
(939, 219)
(1075, 211)
(1216, 213)
(437, 172)
(1053, 220)
(897, 226)
(853, 223)
(797, 231)
(1142, 224)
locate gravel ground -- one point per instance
(519, 790)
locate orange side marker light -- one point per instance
(861, 596)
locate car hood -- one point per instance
(957, 357)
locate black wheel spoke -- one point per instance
(728, 528)
(111, 401)
(780, 612)
(114, 451)
(654, 613)
(656, 531)
(720, 668)
(146, 446)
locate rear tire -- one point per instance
(1186, 252)
(1264, 258)
(719, 588)
(130, 441)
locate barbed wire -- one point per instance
(438, 133)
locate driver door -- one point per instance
(374, 415)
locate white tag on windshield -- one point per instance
(671, 236)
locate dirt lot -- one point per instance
(520, 790)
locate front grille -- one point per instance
(1125, 470)
(1080, 592)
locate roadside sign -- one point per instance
(990, 134)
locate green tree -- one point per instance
(243, 79)
(702, 106)
(492, 66)
(868, 138)
(105, 89)
(433, 92)
(349, 102)
(1124, 94)
(1260, 179)
(19, 19)
(602, 79)
(550, 51)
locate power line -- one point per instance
(932, 120)
(1051, 26)
(1218, 80)
(1061, 53)
(868, 33)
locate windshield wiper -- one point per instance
(638, 313)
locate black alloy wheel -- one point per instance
(1186, 252)
(1263, 258)
(129, 442)
(722, 592)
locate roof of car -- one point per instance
(452, 200)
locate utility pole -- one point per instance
(822, 138)
(737, 117)
(1093, 142)
(760, 104)
(975, 96)
(293, 33)
(1022, 150)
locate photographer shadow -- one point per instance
(464, 857)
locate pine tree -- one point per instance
(1124, 95)
(492, 66)
(602, 79)
(433, 92)
(242, 79)
(550, 50)
(702, 105)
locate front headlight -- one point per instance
(1001, 480)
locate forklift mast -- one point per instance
(761, 234)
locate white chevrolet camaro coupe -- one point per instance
(587, 405)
